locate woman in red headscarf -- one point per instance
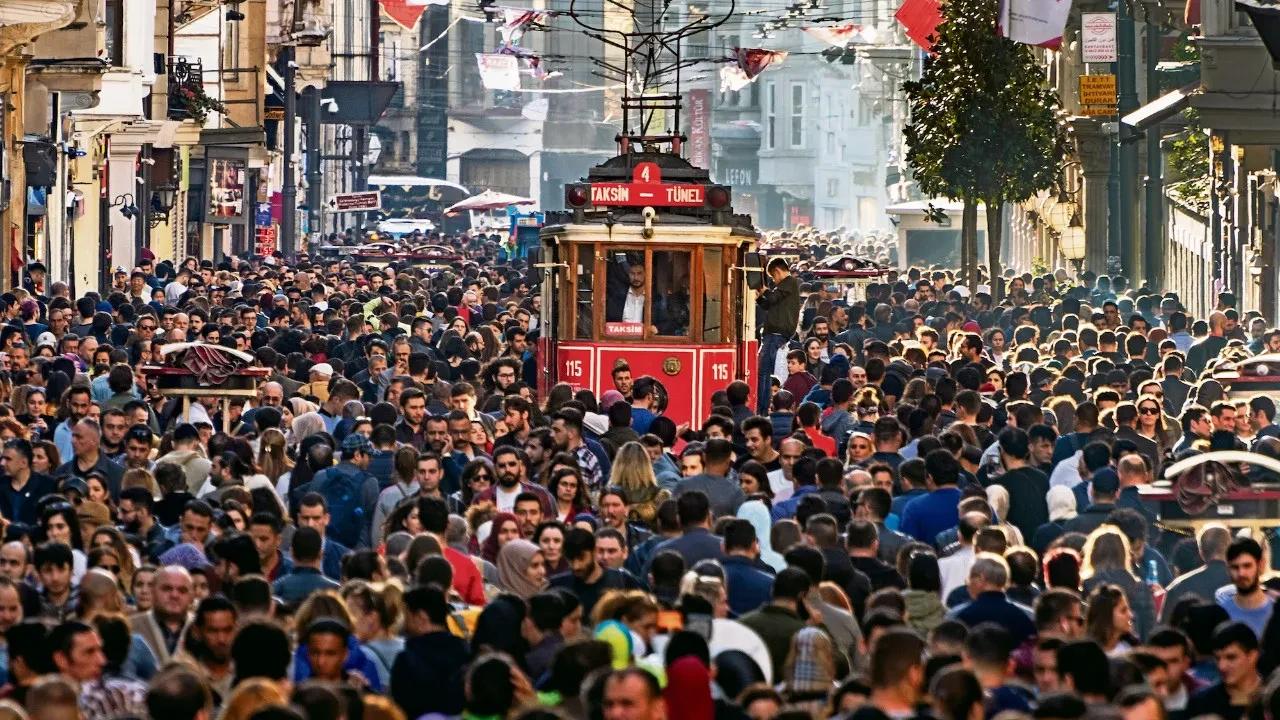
(688, 693)
(504, 529)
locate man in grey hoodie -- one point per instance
(838, 424)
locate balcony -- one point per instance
(1239, 85)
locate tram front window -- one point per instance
(672, 280)
(626, 289)
(646, 300)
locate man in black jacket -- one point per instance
(782, 314)
(864, 541)
(426, 676)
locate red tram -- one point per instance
(651, 269)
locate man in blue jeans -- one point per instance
(781, 305)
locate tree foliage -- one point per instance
(985, 125)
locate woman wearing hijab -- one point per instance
(521, 569)
(503, 529)
(754, 512)
(688, 692)
(1062, 507)
(998, 496)
(810, 671)
(305, 425)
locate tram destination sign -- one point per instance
(645, 189)
(647, 194)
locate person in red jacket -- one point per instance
(809, 416)
(433, 513)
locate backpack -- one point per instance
(343, 491)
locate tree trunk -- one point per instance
(969, 245)
(995, 230)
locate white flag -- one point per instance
(837, 35)
(499, 72)
(1034, 22)
(733, 79)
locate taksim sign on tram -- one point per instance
(647, 188)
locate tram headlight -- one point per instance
(576, 196)
(718, 197)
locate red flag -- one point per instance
(753, 61)
(405, 12)
(920, 18)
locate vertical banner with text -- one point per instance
(700, 128)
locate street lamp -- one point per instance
(1071, 241)
(1062, 213)
(161, 203)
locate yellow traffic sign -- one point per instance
(1097, 111)
(1097, 89)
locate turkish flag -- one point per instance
(405, 13)
(920, 18)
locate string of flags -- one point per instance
(842, 35)
(747, 64)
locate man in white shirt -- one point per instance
(633, 307)
(954, 569)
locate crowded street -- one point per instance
(792, 360)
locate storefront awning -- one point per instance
(1162, 108)
(412, 181)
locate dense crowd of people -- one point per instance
(928, 506)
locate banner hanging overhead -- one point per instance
(1034, 22)
(499, 72)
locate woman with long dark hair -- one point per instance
(477, 476)
(1108, 620)
(58, 523)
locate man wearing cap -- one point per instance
(319, 385)
(351, 524)
(86, 443)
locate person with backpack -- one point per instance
(350, 493)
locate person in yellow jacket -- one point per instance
(319, 386)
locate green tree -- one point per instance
(985, 126)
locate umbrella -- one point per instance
(487, 200)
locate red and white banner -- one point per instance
(498, 71)
(405, 13)
(748, 64)
(700, 128)
(841, 35)
(515, 22)
(1034, 22)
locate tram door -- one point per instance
(548, 256)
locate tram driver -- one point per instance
(627, 292)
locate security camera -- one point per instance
(148, 161)
(292, 65)
(331, 104)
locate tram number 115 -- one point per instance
(573, 368)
